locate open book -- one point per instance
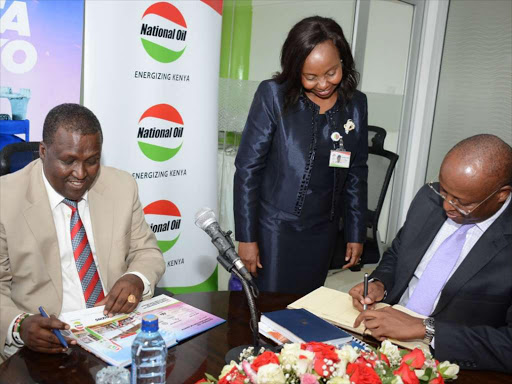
(336, 307)
(111, 338)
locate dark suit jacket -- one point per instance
(473, 318)
(276, 155)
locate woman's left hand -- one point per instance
(354, 252)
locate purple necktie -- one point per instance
(438, 269)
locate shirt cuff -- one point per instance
(13, 340)
(146, 294)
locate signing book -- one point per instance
(111, 338)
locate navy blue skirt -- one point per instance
(295, 251)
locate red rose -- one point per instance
(366, 360)
(360, 373)
(322, 351)
(437, 380)
(415, 358)
(202, 381)
(384, 358)
(236, 377)
(407, 374)
(265, 358)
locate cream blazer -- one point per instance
(30, 268)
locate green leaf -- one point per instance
(211, 378)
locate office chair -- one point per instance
(381, 164)
(15, 156)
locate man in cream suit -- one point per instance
(72, 235)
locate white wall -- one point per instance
(273, 19)
(475, 86)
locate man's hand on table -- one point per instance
(375, 294)
(390, 323)
(124, 296)
(36, 333)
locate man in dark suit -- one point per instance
(452, 262)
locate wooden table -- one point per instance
(186, 362)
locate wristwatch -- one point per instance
(373, 279)
(429, 330)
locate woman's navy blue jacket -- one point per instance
(276, 155)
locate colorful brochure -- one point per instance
(111, 338)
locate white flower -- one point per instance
(338, 380)
(303, 366)
(448, 370)
(347, 354)
(392, 352)
(271, 374)
(419, 372)
(291, 352)
(349, 126)
(397, 380)
(228, 368)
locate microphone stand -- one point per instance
(251, 292)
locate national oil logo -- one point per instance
(164, 218)
(163, 32)
(160, 132)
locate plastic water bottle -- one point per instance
(149, 354)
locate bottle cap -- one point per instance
(150, 323)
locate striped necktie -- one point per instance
(89, 277)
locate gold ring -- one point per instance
(132, 299)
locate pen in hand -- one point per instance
(365, 292)
(55, 331)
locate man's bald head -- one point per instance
(474, 169)
(486, 154)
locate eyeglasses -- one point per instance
(463, 209)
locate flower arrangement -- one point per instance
(319, 363)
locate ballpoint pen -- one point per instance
(55, 331)
(365, 292)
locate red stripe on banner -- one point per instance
(163, 111)
(85, 267)
(162, 207)
(215, 4)
(167, 11)
(91, 286)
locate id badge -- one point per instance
(339, 159)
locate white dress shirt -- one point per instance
(448, 228)
(72, 294)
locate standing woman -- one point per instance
(289, 189)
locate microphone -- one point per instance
(206, 220)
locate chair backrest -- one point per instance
(15, 156)
(381, 164)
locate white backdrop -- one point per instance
(151, 76)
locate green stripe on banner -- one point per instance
(236, 39)
(157, 152)
(166, 245)
(160, 53)
(211, 284)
